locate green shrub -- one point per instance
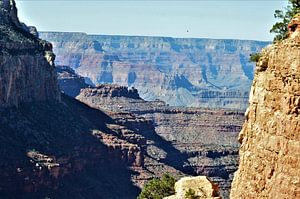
(158, 188)
(190, 194)
(280, 28)
(255, 57)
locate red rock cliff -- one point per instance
(270, 152)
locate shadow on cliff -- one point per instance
(64, 131)
(174, 158)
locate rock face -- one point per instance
(270, 151)
(53, 146)
(70, 82)
(67, 150)
(202, 187)
(181, 72)
(181, 141)
(27, 70)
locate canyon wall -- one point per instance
(52, 146)
(270, 151)
(180, 141)
(27, 63)
(181, 72)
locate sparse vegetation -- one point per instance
(280, 28)
(158, 188)
(190, 194)
(255, 57)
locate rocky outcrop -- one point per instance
(111, 91)
(70, 82)
(27, 63)
(198, 187)
(9, 13)
(189, 141)
(181, 72)
(294, 27)
(270, 152)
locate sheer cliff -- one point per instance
(27, 70)
(181, 72)
(270, 151)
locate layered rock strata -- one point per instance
(270, 151)
(181, 72)
(189, 140)
(27, 63)
(67, 150)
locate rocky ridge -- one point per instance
(181, 72)
(270, 151)
(27, 63)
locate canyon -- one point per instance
(193, 141)
(53, 145)
(182, 72)
(180, 141)
(107, 140)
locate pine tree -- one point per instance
(158, 188)
(280, 28)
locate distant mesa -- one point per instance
(181, 72)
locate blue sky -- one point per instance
(235, 19)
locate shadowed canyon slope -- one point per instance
(181, 72)
(180, 141)
(53, 146)
(194, 141)
(270, 151)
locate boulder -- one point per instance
(200, 185)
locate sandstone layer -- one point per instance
(181, 72)
(270, 151)
(200, 186)
(27, 63)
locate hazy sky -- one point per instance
(236, 19)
